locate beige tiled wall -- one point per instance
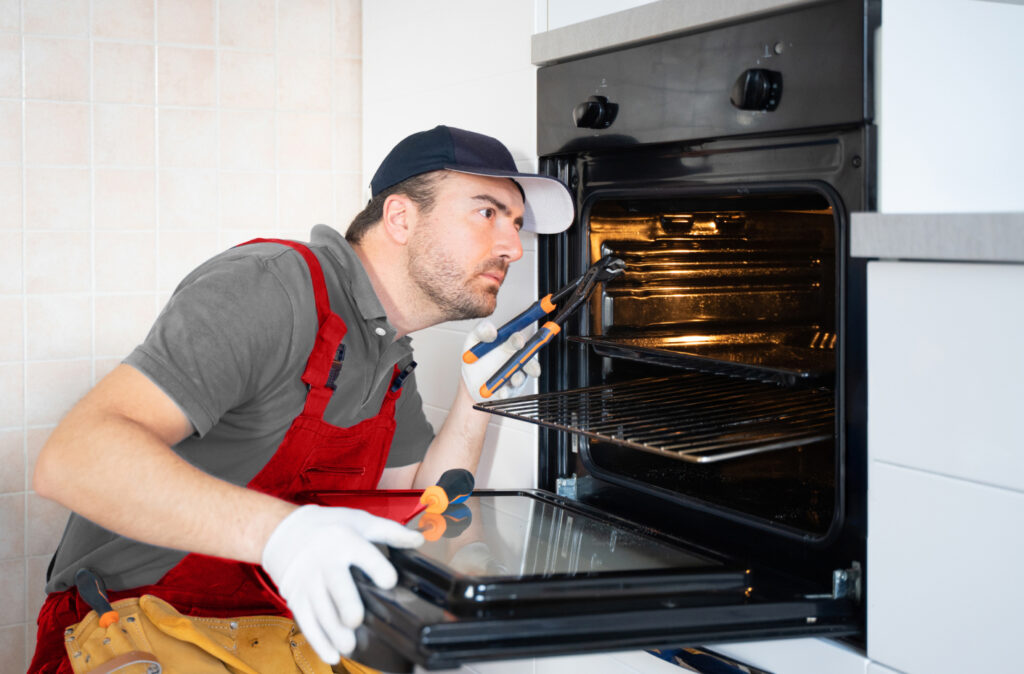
(137, 138)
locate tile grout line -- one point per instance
(332, 83)
(92, 203)
(277, 117)
(218, 133)
(157, 238)
(24, 339)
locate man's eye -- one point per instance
(487, 212)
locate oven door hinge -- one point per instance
(566, 487)
(846, 583)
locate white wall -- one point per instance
(950, 96)
(463, 63)
(558, 13)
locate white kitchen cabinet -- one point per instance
(952, 149)
(946, 370)
(943, 562)
(945, 478)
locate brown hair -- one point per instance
(421, 189)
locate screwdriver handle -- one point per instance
(454, 486)
(520, 358)
(532, 314)
(93, 591)
(453, 522)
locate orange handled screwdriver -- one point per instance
(605, 269)
(454, 486)
(93, 591)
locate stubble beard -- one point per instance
(445, 285)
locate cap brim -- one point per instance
(549, 207)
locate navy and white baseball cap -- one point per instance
(548, 203)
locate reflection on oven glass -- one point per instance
(516, 536)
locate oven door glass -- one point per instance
(526, 573)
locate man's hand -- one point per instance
(476, 374)
(309, 556)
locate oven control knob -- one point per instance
(594, 113)
(757, 89)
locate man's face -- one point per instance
(461, 249)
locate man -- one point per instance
(251, 392)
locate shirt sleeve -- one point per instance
(413, 433)
(225, 333)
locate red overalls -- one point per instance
(314, 455)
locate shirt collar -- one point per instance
(359, 286)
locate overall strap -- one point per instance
(327, 355)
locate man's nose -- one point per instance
(507, 244)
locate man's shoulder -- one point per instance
(247, 263)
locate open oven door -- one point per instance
(512, 574)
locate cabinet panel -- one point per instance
(943, 586)
(976, 165)
(945, 370)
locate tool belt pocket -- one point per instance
(152, 637)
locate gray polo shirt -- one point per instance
(229, 348)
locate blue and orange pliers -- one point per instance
(573, 294)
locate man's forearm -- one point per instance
(459, 442)
(120, 473)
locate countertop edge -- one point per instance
(962, 237)
(646, 22)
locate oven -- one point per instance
(703, 418)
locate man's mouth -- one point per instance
(497, 277)
(495, 272)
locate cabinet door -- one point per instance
(946, 470)
(946, 370)
(942, 575)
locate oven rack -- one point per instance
(690, 416)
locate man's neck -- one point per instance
(394, 290)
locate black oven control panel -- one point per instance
(719, 82)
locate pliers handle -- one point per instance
(532, 314)
(575, 293)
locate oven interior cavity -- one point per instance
(707, 371)
(744, 286)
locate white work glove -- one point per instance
(308, 556)
(476, 374)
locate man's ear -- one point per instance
(399, 214)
